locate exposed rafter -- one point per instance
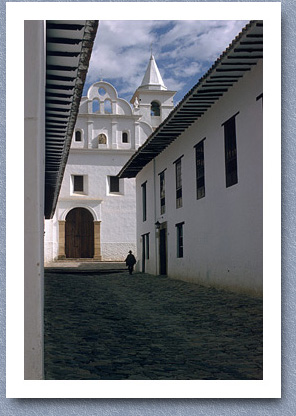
(68, 49)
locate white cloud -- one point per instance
(183, 50)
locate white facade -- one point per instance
(222, 231)
(108, 132)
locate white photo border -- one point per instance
(270, 386)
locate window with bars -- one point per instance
(180, 247)
(200, 170)
(230, 152)
(178, 170)
(144, 201)
(162, 192)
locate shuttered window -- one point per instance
(178, 170)
(179, 228)
(200, 170)
(144, 201)
(162, 192)
(230, 152)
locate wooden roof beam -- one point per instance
(232, 69)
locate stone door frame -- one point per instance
(62, 236)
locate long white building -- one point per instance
(199, 177)
(96, 211)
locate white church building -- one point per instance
(199, 177)
(95, 216)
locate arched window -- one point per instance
(155, 109)
(78, 137)
(124, 137)
(95, 106)
(107, 107)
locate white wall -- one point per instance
(117, 212)
(222, 231)
(34, 197)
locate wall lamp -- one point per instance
(157, 225)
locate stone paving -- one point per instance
(102, 323)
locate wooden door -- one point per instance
(79, 234)
(162, 251)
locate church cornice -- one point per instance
(154, 91)
(151, 92)
(101, 151)
(110, 116)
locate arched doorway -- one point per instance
(79, 234)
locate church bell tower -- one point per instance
(152, 100)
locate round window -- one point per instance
(101, 91)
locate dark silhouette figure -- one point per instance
(130, 261)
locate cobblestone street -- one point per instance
(105, 324)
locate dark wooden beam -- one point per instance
(64, 26)
(59, 78)
(59, 87)
(251, 50)
(232, 69)
(65, 41)
(51, 67)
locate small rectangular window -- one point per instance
(114, 184)
(179, 228)
(200, 170)
(178, 169)
(144, 201)
(78, 136)
(230, 152)
(124, 137)
(162, 192)
(78, 183)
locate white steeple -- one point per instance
(152, 79)
(152, 100)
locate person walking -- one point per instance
(130, 261)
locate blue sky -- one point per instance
(184, 50)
